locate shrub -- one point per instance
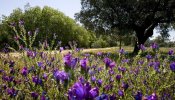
(99, 43)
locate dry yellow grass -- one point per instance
(94, 50)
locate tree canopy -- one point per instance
(50, 23)
(140, 16)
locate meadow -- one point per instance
(85, 74)
(99, 74)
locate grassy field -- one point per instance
(112, 50)
(88, 75)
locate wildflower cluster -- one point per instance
(83, 76)
(74, 77)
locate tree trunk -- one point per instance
(141, 38)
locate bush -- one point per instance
(100, 43)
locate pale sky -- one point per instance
(68, 7)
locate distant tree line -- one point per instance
(52, 24)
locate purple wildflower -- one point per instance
(118, 77)
(142, 47)
(120, 93)
(108, 87)
(77, 92)
(100, 69)
(31, 54)
(12, 92)
(8, 78)
(94, 66)
(171, 52)
(150, 64)
(40, 64)
(83, 63)
(81, 80)
(154, 96)
(148, 56)
(125, 60)
(37, 80)
(24, 71)
(34, 95)
(102, 97)
(5, 78)
(112, 64)
(61, 49)
(92, 72)
(94, 92)
(60, 75)
(111, 79)
(99, 82)
(69, 61)
(107, 61)
(141, 62)
(87, 88)
(78, 49)
(93, 78)
(1, 71)
(172, 66)
(154, 45)
(11, 78)
(99, 53)
(121, 51)
(43, 97)
(156, 66)
(125, 85)
(73, 62)
(138, 96)
(113, 97)
(86, 54)
(122, 69)
(45, 76)
(111, 72)
(151, 97)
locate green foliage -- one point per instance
(162, 41)
(105, 16)
(99, 43)
(52, 25)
